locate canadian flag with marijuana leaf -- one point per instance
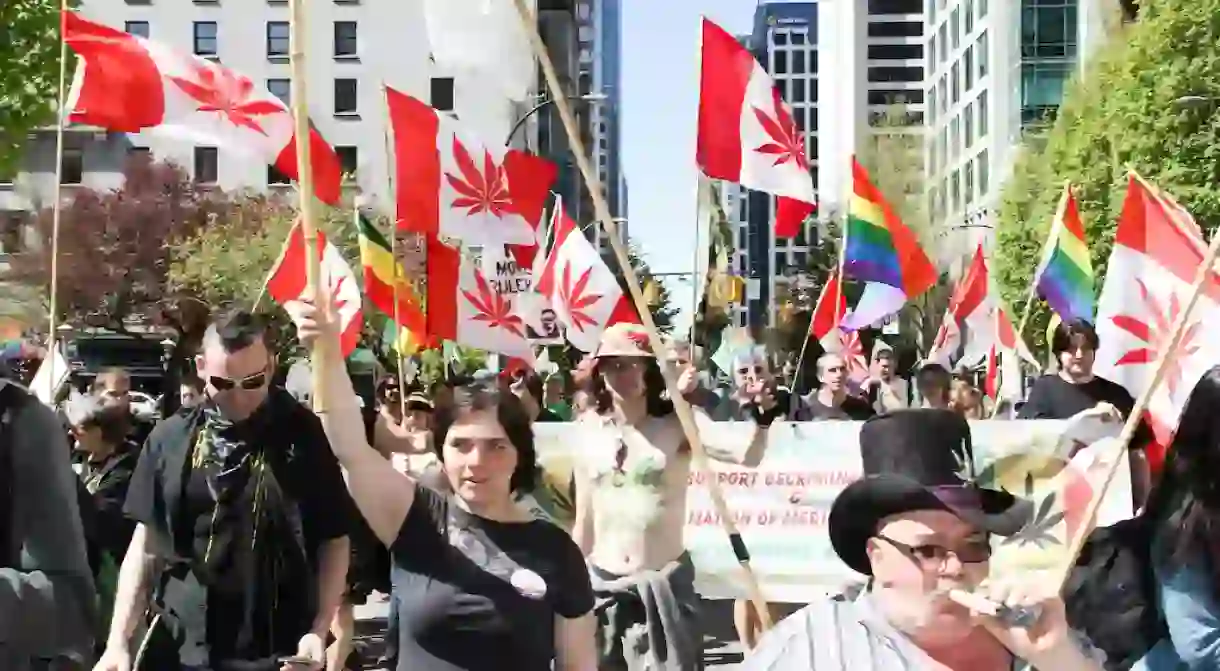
(1157, 249)
(287, 280)
(129, 84)
(453, 185)
(580, 288)
(467, 308)
(747, 133)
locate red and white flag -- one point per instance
(580, 288)
(824, 327)
(452, 185)
(1158, 248)
(130, 84)
(747, 133)
(975, 309)
(287, 281)
(468, 309)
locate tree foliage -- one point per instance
(1121, 113)
(115, 249)
(29, 78)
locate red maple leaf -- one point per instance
(1155, 334)
(336, 298)
(574, 298)
(485, 191)
(640, 338)
(494, 309)
(217, 89)
(787, 143)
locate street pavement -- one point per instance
(721, 647)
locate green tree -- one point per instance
(29, 79)
(1121, 113)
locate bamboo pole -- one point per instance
(659, 346)
(300, 116)
(57, 205)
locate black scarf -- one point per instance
(254, 553)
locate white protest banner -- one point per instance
(781, 507)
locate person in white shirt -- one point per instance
(886, 390)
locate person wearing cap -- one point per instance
(920, 529)
(632, 476)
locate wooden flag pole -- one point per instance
(300, 117)
(390, 195)
(660, 347)
(61, 113)
(1164, 358)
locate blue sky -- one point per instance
(660, 102)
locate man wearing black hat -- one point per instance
(920, 529)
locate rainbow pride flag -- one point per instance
(1065, 275)
(883, 252)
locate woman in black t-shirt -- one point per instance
(481, 583)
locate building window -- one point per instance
(346, 99)
(955, 82)
(942, 92)
(780, 62)
(932, 103)
(281, 88)
(441, 93)
(277, 39)
(955, 28)
(139, 2)
(798, 114)
(968, 187)
(798, 36)
(942, 38)
(955, 137)
(969, 16)
(207, 165)
(800, 260)
(983, 119)
(205, 39)
(1048, 31)
(349, 160)
(955, 191)
(983, 55)
(984, 172)
(895, 74)
(968, 123)
(982, 9)
(896, 29)
(894, 6)
(137, 28)
(798, 91)
(896, 52)
(968, 69)
(275, 177)
(781, 263)
(798, 62)
(895, 97)
(779, 37)
(782, 86)
(1042, 88)
(931, 52)
(73, 166)
(346, 42)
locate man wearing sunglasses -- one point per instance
(919, 527)
(243, 519)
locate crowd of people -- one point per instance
(240, 532)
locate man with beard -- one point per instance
(242, 523)
(919, 528)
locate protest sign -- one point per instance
(781, 507)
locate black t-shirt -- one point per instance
(171, 494)
(1053, 397)
(479, 595)
(852, 409)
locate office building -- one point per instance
(995, 69)
(600, 80)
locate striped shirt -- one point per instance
(841, 635)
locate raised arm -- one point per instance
(382, 494)
(727, 446)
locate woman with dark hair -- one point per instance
(632, 474)
(1185, 513)
(481, 583)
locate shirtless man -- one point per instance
(631, 504)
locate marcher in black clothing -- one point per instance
(1074, 389)
(241, 506)
(484, 585)
(113, 386)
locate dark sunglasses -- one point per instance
(971, 552)
(249, 383)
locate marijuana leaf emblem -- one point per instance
(1040, 530)
(1155, 334)
(220, 90)
(494, 309)
(574, 298)
(479, 191)
(336, 295)
(786, 143)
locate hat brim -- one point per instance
(861, 506)
(625, 353)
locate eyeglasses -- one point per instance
(613, 365)
(933, 555)
(746, 370)
(249, 383)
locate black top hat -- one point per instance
(916, 460)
